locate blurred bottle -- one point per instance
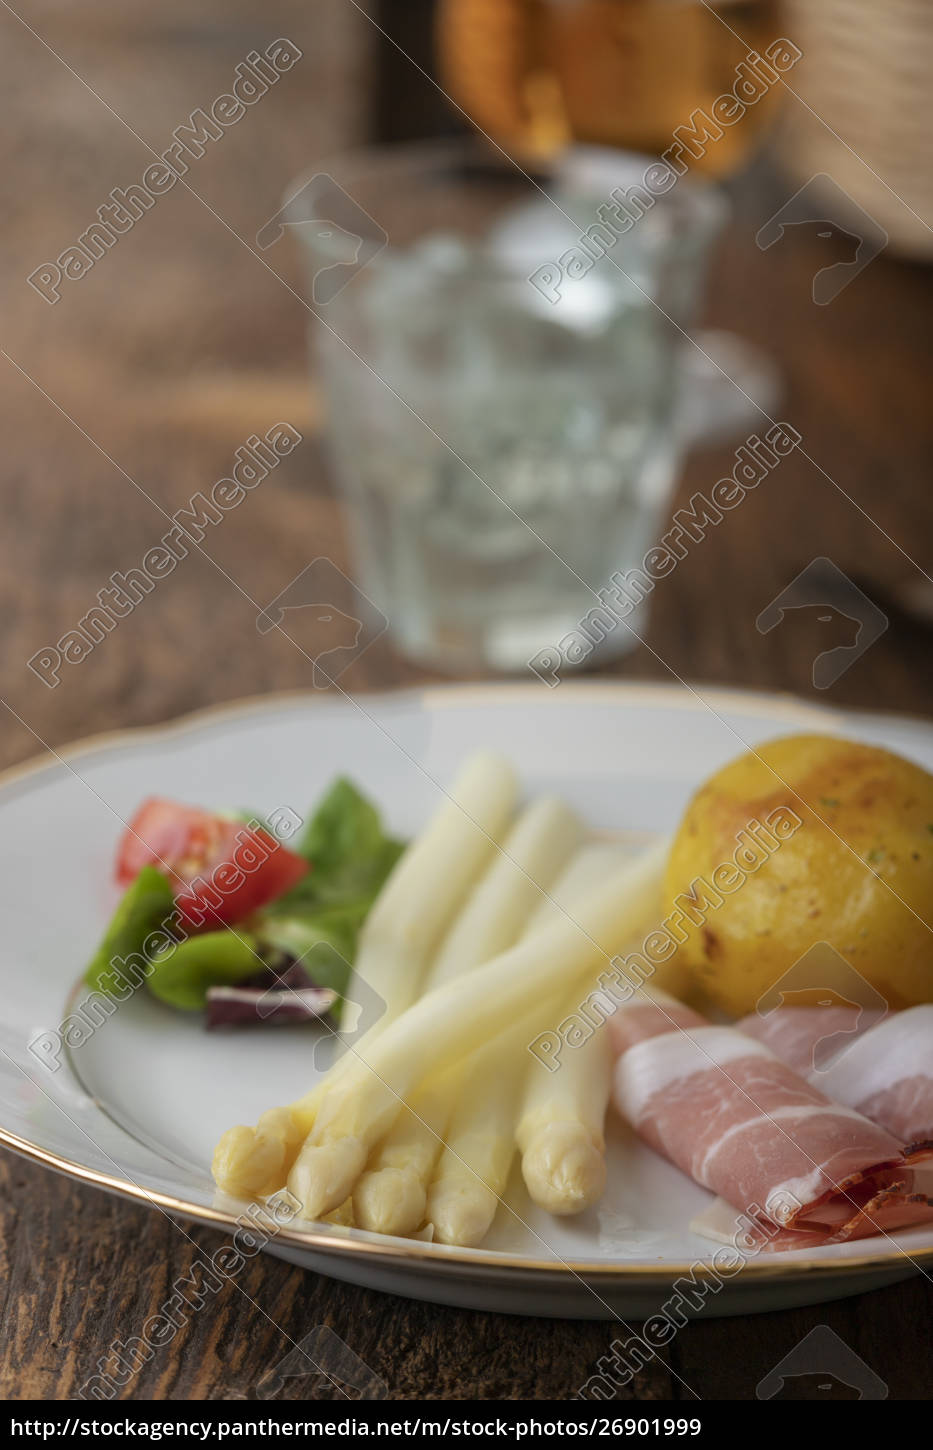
(539, 74)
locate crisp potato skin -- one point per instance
(858, 872)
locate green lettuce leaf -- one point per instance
(142, 909)
(181, 976)
(351, 855)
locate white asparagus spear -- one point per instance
(538, 846)
(254, 1162)
(560, 1128)
(390, 1195)
(456, 1018)
(591, 863)
(473, 1168)
(431, 880)
(560, 1125)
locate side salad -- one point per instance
(218, 913)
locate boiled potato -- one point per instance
(857, 873)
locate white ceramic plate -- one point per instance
(138, 1107)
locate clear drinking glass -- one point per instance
(504, 445)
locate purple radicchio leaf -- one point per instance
(279, 997)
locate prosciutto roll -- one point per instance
(808, 1038)
(739, 1121)
(883, 1069)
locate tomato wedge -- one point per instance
(221, 871)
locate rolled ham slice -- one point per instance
(808, 1038)
(739, 1121)
(883, 1069)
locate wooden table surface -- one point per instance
(131, 394)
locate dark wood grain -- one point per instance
(165, 358)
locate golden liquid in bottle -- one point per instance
(538, 74)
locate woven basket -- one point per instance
(867, 73)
